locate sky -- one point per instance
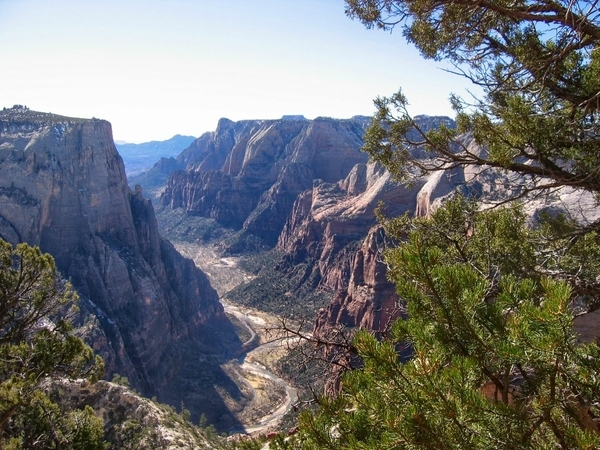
(156, 68)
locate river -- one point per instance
(224, 275)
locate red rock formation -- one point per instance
(328, 226)
(334, 226)
(367, 300)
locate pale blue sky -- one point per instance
(155, 68)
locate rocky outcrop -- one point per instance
(333, 227)
(130, 421)
(63, 188)
(247, 174)
(365, 298)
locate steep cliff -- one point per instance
(247, 174)
(63, 187)
(367, 299)
(333, 228)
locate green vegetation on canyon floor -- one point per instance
(491, 296)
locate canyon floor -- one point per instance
(271, 397)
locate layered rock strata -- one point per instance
(333, 226)
(247, 174)
(63, 188)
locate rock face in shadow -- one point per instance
(63, 188)
(247, 174)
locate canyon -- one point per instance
(290, 204)
(149, 312)
(304, 191)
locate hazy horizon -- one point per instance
(155, 69)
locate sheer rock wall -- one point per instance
(63, 188)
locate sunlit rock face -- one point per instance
(247, 174)
(333, 227)
(63, 188)
(365, 298)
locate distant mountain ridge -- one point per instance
(141, 157)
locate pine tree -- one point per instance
(36, 345)
(538, 65)
(495, 363)
(491, 298)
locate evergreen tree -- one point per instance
(36, 344)
(538, 64)
(495, 364)
(537, 122)
(491, 298)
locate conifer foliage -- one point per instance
(538, 65)
(491, 296)
(36, 344)
(495, 364)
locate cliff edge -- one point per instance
(63, 188)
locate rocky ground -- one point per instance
(224, 273)
(130, 420)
